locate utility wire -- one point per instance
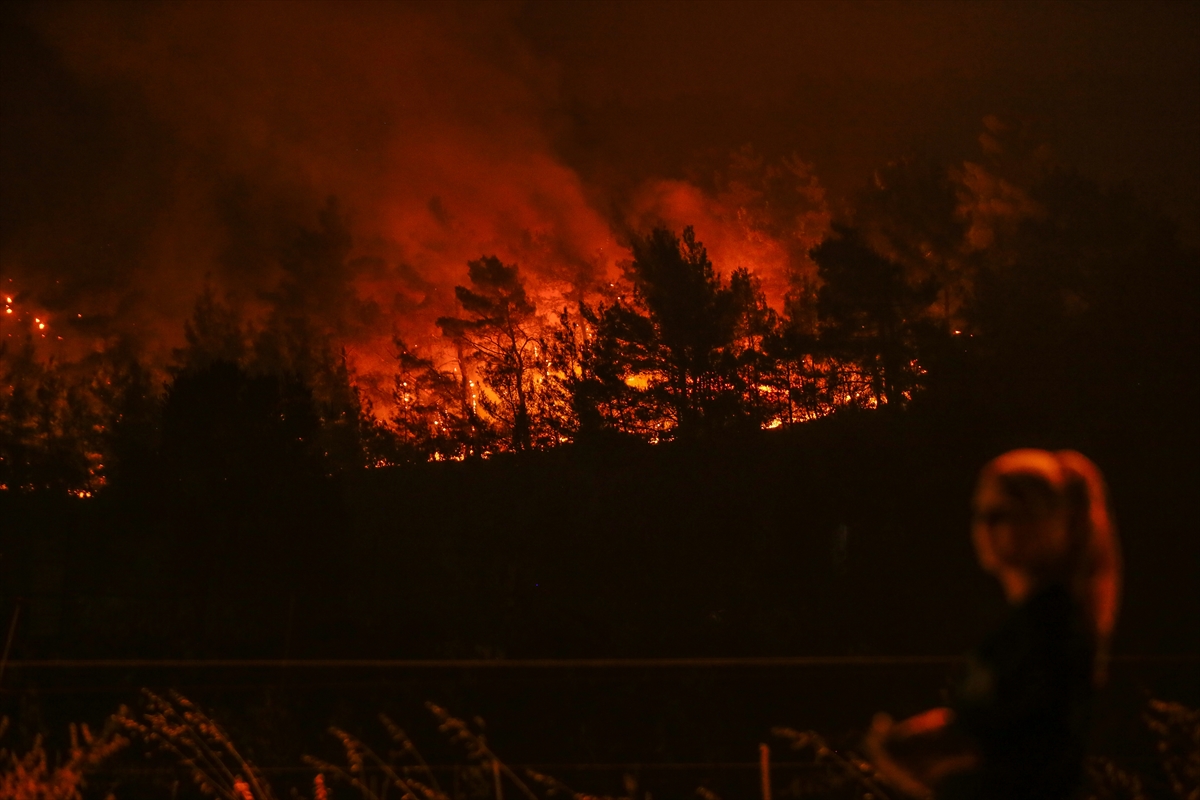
(527, 663)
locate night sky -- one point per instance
(150, 149)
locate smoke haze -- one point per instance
(151, 150)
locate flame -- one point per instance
(761, 215)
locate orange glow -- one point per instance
(761, 216)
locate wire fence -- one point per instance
(536, 663)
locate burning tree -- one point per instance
(70, 426)
(692, 316)
(433, 416)
(686, 354)
(499, 334)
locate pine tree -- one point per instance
(498, 331)
(871, 313)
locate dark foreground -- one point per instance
(842, 538)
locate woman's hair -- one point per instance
(1041, 482)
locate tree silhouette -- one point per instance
(73, 426)
(871, 313)
(568, 402)
(1088, 304)
(498, 330)
(754, 354)
(909, 213)
(692, 315)
(611, 390)
(685, 355)
(431, 415)
(215, 332)
(128, 397)
(293, 349)
(224, 427)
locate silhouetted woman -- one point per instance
(1018, 721)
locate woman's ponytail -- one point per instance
(1096, 577)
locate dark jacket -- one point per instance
(1024, 698)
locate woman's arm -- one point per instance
(913, 755)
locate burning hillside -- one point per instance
(394, 211)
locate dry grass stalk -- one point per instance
(178, 727)
(1177, 728)
(1107, 781)
(409, 750)
(30, 776)
(477, 749)
(360, 757)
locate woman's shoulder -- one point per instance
(1042, 643)
(1052, 614)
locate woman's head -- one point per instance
(1041, 518)
(1024, 519)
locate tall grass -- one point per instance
(32, 776)
(176, 728)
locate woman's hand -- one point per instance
(913, 755)
(890, 770)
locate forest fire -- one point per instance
(651, 338)
(617, 371)
(426, 257)
(670, 347)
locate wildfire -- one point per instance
(38, 321)
(541, 348)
